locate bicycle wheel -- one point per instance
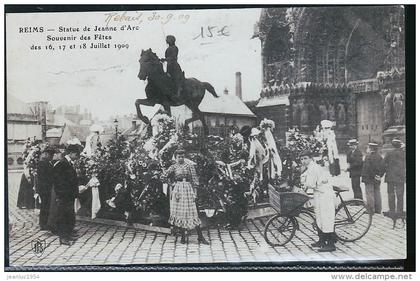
(280, 230)
(352, 220)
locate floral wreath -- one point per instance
(267, 123)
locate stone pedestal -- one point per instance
(393, 132)
(311, 103)
(392, 84)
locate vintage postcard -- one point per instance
(225, 138)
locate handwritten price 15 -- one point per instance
(212, 31)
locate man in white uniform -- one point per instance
(319, 179)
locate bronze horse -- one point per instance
(160, 89)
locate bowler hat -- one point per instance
(373, 145)
(396, 143)
(353, 142)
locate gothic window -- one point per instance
(302, 66)
(340, 68)
(330, 59)
(317, 69)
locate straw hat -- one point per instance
(353, 142)
(326, 124)
(255, 132)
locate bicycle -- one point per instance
(352, 218)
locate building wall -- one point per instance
(20, 127)
(21, 131)
(369, 118)
(14, 155)
(277, 113)
(337, 49)
(330, 45)
(16, 134)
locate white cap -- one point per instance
(326, 124)
(255, 132)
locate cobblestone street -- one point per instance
(102, 244)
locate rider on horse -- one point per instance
(172, 68)
(158, 90)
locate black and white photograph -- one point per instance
(228, 137)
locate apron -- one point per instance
(324, 197)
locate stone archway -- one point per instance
(337, 45)
(331, 49)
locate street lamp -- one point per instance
(116, 128)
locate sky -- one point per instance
(105, 80)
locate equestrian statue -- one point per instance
(170, 88)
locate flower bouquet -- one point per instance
(267, 123)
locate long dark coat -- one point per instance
(373, 166)
(355, 160)
(173, 68)
(44, 184)
(44, 177)
(395, 166)
(26, 194)
(62, 217)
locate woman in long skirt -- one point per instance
(26, 193)
(183, 210)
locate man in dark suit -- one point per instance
(44, 184)
(355, 161)
(395, 175)
(66, 190)
(372, 172)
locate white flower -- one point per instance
(118, 186)
(267, 123)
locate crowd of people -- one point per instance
(319, 171)
(56, 185)
(318, 176)
(371, 170)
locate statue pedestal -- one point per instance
(391, 133)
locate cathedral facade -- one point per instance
(344, 64)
